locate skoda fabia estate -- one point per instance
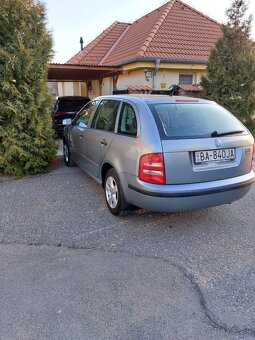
(161, 153)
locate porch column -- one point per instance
(115, 80)
(100, 86)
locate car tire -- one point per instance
(114, 196)
(67, 155)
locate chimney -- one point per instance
(81, 42)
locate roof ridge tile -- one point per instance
(155, 29)
(199, 12)
(82, 54)
(115, 44)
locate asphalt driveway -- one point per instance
(71, 270)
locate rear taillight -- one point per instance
(253, 156)
(60, 113)
(152, 168)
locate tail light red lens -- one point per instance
(152, 168)
(253, 156)
(60, 113)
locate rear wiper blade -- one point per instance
(219, 134)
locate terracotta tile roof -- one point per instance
(174, 31)
(139, 87)
(191, 88)
(95, 52)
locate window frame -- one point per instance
(80, 113)
(186, 75)
(206, 134)
(120, 120)
(98, 110)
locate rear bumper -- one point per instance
(171, 198)
(59, 129)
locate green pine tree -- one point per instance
(27, 142)
(230, 78)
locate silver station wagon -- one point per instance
(161, 153)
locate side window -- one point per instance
(84, 115)
(105, 116)
(127, 122)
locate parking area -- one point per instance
(71, 270)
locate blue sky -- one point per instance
(68, 20)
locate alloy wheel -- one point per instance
(111, 192)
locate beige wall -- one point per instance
(65, 89)
(199, 75)
(76, 89)
(107, 86)
(80, 88)
(72, 89)
(95, 89)
(132, 78)
(172, 77)
(165, 77)
(84, 91)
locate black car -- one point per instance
(66, 107)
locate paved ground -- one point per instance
(71, 270)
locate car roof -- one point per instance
(157, 98)
(73, 98)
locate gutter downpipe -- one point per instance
(157, 62)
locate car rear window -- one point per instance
(193, 120)
(70, 105)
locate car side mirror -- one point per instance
(82, 125)
(67, 121)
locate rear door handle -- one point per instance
(81, 135)
(103, 142)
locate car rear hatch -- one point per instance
(192, 161)
(202, 142)
(67, 108)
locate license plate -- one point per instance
(221, 155)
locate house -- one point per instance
(168, 46)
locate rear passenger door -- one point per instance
(99, 136)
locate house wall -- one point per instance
(76, 89)
(107, 86)
(53, 87)
(167, 77)
(162, 80)
(135, 74)
(95, 90)
(72, 89)
(199, 76)
(80, 88)
(136, 77)
(65, 88)
(83, 88)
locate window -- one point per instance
(69, 105)
(105, 116)
(192, 120)
(127, 122)
(185, 79)
(83, 117)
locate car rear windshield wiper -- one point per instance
(219, 134)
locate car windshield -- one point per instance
(70, 105)
(194, 120)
